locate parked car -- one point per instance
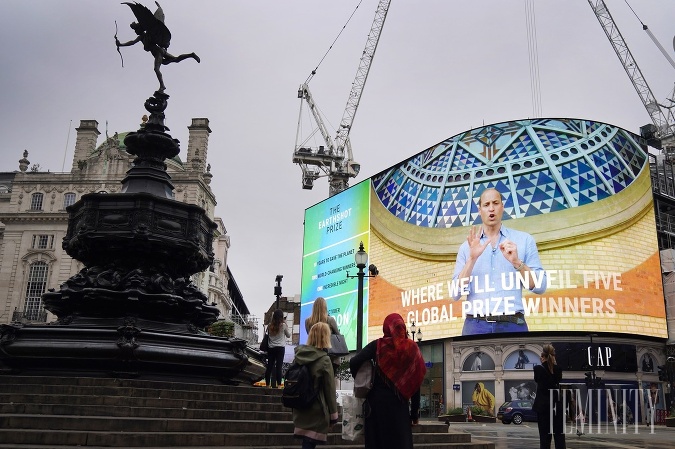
(516, 412)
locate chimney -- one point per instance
(198, 144)
(85, 143)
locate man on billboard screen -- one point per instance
(493, 266)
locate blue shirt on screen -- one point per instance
(494, 281)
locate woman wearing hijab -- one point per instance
(548, 402)
(399, 372)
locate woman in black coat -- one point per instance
(392, 406)
(548, 403)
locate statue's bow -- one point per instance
(118, 47)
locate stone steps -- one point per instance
(59, 412)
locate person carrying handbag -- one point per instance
(392, 405)
(278, 332)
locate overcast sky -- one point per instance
(442, 67)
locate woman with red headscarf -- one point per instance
(399, 372)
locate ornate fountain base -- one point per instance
(133, 311)
(127, 347)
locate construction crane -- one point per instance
(335, 159)
(662, 128)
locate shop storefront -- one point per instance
(625, 373)
(431, 393)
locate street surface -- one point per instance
(525, 436)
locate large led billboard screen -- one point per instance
(577, 249)
(334, 229)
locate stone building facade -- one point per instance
(34, 220)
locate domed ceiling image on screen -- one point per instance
(539, 166)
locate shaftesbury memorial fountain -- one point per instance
(132, 311)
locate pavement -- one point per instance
(525, 436)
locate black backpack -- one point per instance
(299, 391)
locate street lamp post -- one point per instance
(596, 380)
(277, 288)
(361, 258)
(592, 381)
(412, 332)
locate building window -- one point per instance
(43, 241)
(68, 199)
(36, 201)
(37, 284)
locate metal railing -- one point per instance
(245, 326)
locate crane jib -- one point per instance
(335, 159)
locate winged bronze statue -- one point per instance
(155, 36)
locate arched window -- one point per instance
(37, 284)
(68, 199)
(521, 359)
(36, 201)
(478, 361)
